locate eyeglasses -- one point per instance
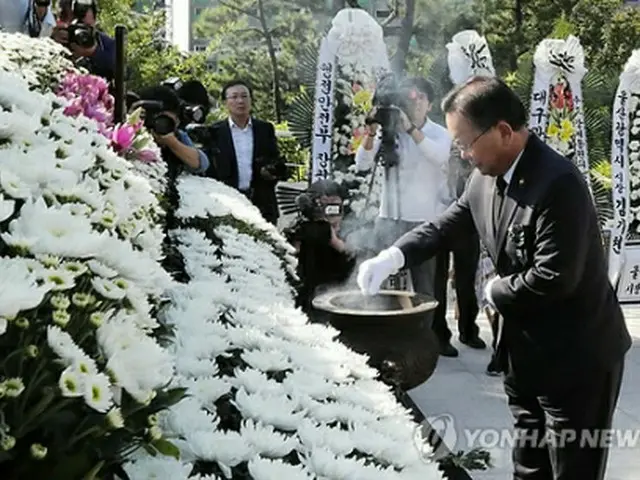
(235, 98)
(464, 148)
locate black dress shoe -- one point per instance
(448, 350)
(493, 369)
(474, 342)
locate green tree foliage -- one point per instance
(238, 45)
(150, 59)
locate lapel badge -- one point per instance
(521, 182)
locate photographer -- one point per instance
(414, 152)
(94, 50)
(31, 17)
(323, 258)
(162, 112)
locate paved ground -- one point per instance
(461, 389)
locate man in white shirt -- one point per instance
(244, 151)
(415, 190)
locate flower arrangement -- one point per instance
(272, 395)
(85, 382)
(560, 128)
(42, 63)
(634, 164)
(354, 96)
(88, 95)
(82, 375)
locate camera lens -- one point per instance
(163, 124)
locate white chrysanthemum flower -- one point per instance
(57, 279)
(266, 469)
(54, 231)
(13, 185)
(255, 381)
(71, 383)
(66, 349)
(266, 441)
(101, 270)
(97, 392)
(157, 468)
(228, 449)
(108, 288)
(19, 289)
(207, 390)
(281, 412)
(7, 207)
(266, 361)
(137, 362)
(313, 435)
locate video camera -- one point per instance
(154, 119)
(391, 97)
(194, 100)
(79, 33)
(312, 208)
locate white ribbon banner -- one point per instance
(468, 56)
(621, 164)
(323, 120)
(557, 114)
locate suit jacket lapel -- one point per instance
(230, 150)
(513, 194)
(508, 211)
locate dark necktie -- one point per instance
(501, 187)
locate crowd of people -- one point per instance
(482, 182)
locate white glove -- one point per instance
(376, 270)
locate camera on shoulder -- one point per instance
(322, 200)
(79, 32)
(154, 117)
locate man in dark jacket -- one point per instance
(244, 151)
(562, 334)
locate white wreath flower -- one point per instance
(357, 41)
(469, 55)
(561, 56)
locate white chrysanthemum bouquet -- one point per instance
(271, 396)
(82, 375)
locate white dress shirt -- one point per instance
(243, 146)
(422, 173)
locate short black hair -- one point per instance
(168, 97)
(422, 85)
(235, 83)
(485, 101)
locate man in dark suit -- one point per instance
(244, 151)
(465, 265)
(562, 334)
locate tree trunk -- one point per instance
(399, 61)
(277, 96)
(519, 20)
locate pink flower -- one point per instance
(147, 156)
(73, 109)
(122, 137)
